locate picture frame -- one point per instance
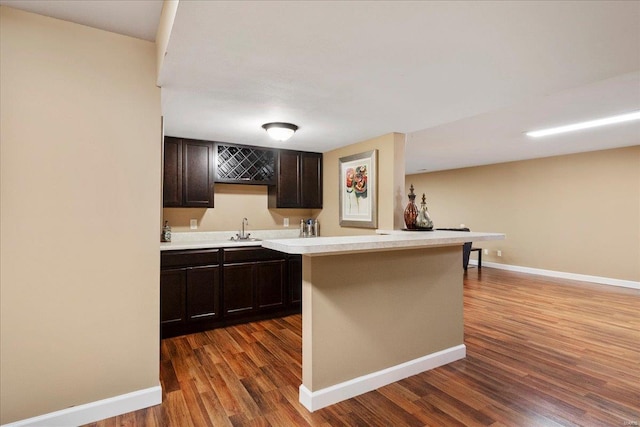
(358, 190)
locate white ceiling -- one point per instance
(463, 80)
(135, 18)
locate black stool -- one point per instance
(479, 250)
(466, 247)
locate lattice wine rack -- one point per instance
(245, 164)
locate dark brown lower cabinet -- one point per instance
(203, 287)
(172, 296)
(270, 286)
(256, 285)
(239, 289)
(189, 299)
(245, 284)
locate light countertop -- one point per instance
(204, 244)
(385, 240)
(288, 242)
(222, 239)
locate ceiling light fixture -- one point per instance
(280, 131)
(586, 125)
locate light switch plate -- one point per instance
(193, 224)
(286, 222)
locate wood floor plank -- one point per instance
(394, 414)
(214, 409)
(540, 352)
(456, 409)
(247, 405)
(290, 393)
(168, 375)
(197, 408)
(177, 410)
(241, 366)
(401, 397)
(224, 393)
(265, 402)
(290, 416)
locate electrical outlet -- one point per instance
(286, 222)
(499, 253)
(193, 224)
(486, 251)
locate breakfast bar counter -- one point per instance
(383, 241)
(377, 308)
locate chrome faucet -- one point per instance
(245, 221)
(242, 235)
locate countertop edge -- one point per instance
(374, 243)
(171, 246)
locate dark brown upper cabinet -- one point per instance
(311, 180)
(172, 187)
(192, 166)
(244, 164)
(298, 181)
(188, 173)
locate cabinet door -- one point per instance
(172, 296)
(172, 182)
(270, 283)
(311, 180)
(288, 183)
(202, 293)
(197, 168)
(238, 289)
(295, 279)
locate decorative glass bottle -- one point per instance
(424, 220)
(166, 232)
(411, 211)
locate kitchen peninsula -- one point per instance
(377, 308)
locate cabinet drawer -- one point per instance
(189, 258)
(250, 254)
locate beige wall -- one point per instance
(232, 203)
(80, 190)
(380, 308)
(577, 213)
(390, 184)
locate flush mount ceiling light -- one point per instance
(586, 125)
(280, 131)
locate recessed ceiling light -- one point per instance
(280, 131)
(586, 125)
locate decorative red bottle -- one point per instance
(411, 211)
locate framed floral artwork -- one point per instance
(358, 191)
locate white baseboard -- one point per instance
(357, 386)
(95, 411)
(562, 275)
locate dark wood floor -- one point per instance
(540, 352)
